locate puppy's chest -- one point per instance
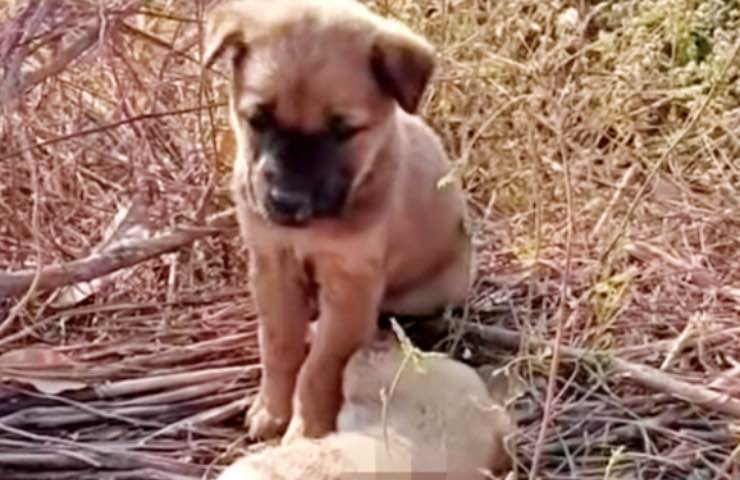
(327, 249)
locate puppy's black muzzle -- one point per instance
(307, 176)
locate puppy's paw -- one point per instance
(296, 429)
(261, 424)
(301, 427)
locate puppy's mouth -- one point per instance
(292, 221)
(288, 208)
(296, 209)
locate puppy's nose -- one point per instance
(295, 206)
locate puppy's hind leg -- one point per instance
(449, 288)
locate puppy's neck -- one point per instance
(374, 190)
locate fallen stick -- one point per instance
(169, 381)
(646, 376)
(101, 456)
(70, 474)
(104, 263)
(205, 418)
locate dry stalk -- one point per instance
(690, 123)
(563, 309)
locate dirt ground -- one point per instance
(599, 142)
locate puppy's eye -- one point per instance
(261, 118)
(341, 129)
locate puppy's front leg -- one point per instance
(348, 305)
(284, 314)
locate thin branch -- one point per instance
(18, 307)
(616, 197)
(563, 307)
(110, 126)
(153, 39)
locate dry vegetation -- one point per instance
(600, 141)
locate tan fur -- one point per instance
(401, 244)
(440, 422)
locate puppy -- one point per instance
(336, 189)
(439, 422)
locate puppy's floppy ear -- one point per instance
(402, 64)
(224, 30)
(236, 24)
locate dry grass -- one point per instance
(600, 142)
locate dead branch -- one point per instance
(28, 23)
(644, 375)
(59, 63)
(97, 265)
(208, 417)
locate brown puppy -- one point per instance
(437, 422)
(336, 187)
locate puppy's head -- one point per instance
(315, 85)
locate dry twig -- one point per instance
(100, 264)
